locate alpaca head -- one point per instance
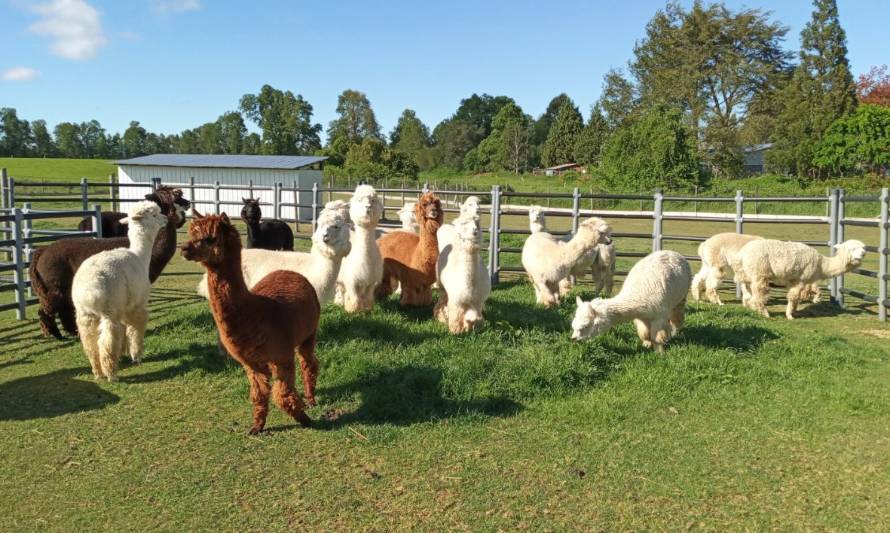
(591, 319)
(210, 238)
(594, 231)
(470, 206)
(854, 249)
(365, 208)
(407, 217)
(144, 219)
(468, 233)
(251, 211)
(341, 207)
(536, 215)
(331, 237)
(428, 212)
(171, 202)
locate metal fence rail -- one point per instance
(17, 233)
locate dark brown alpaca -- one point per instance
(261, 328)
(410, 259)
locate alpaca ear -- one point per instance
(125, 220)
(224, 218)
(196, 214)
(837, 246)
(578, 301)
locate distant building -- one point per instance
(754, 156)
(561, 169)
(263, 170)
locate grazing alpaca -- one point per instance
(52, 267)
(548, 260)
(265, 234)
(110, 294)
(410, 259)
(261, 328)
(653, 296)
(362, 269)
(406, 216)
(464, 280)
(330, 244)
(792, 264)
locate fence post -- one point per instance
(192, 196)
(276, 200)
(10, 192)
(84, 194)
(576, 209)
(658, 220)
(841, 214)
(19, 262)
(739, 227)
(883, 272)
(3, 188)
(297, 209)
(97, 220)
(426, 188)
(155, 183)
(832, 236)
(216, 197)
(314, 206)
(250, 189)
(112, 190)
(495, 237)
(29, 225)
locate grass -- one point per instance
(58, 170)
(745, 423)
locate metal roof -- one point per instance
(285, 162)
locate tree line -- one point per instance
(703, 84)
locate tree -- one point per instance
(15, 134)
(285, 120)
(591, 139)
(412, 136)
(252, 144)
(655, 150)
(506, 147)
(373, 160)
(92, 136)
(210, 139)
(560, 144)
(542, 126)
(356, 121)
(820, 92)
(231, 132)
(43, 141)
(857, 142)
(874, 87)
(479, 111)
(68, 140)
(617, 100)
(133, 142)
(452, 140)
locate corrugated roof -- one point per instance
(286, 162)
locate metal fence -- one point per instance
(498, 204)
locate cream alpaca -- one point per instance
(653, 296)
(362, 269)
(547, 260)
(536, 223)
(406, 216)
(791, 264)
(110, 293)
(464, 280)
(468, 210)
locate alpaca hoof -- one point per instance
(137, 361)
(304, 420)
(255, 430)
(112, 379)
(647, 344)
(310, 401)
(789, 316)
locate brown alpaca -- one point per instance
(263, 327)
(409, 258)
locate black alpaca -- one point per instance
(111, 226)
(268, 234)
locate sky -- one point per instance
(175, 64)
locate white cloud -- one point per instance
(19, 74)
(177, 6)
(73, 26)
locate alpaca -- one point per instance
(410, 259)
(406, 216)
(52, 267)
(464, 280)
(110, 293)
(341, 207)
(536, 222)
(110, 222)
(603, 269)
(265, 234)
(261, 328)
(446, 232)
(330, 244)
(548, 260)
(792, 264)
(362, 269)
(718, 254)
(653, 296)
(470, 206)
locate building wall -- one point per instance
(203, 198)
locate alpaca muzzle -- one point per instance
(187, 251)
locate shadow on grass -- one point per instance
(358, 326)
(411, 314)
(734, 338)
(51, 395)
(408, 395)
(193, 357)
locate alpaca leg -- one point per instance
(441, 309)
(676, 318)
(109, 343)
(285, 394)
(538, 297)
(608, 281)
(643, 333)
(815, 293)
(712, 283)
(137, 320)
(88, 325)
(793, 300)
(338, 294)
(565, 285)
(48, 323)
(551, 294)
(258, 377)
(759, 296)
(698, 282)
(308, 368)
(456, 319)
(67, 316)
(659, 334)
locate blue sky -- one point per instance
(175, 64)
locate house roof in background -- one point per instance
(280, 162)
(757, 147)
(564, 166)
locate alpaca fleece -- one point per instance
(262, 328)
(410, 259)
(464, 280)
(266, 234)
(111, 225)
(362, 269)
(52, 267)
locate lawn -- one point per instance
(58, 170)
(744, 423)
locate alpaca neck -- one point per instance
(365, 238)
(226, 288)
(423, 260)
(329, 263)
(140, 244)
(253, 227)
(537, 227)
(836, 265)
(465, 256)
(163, 250)
(618, 310)
(575, 249)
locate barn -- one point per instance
(234, 173)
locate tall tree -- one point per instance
(591, 139)
(480, 110)
(134, 140)
(15, 133)
(820, 92)
(452, 140)
(857, 142)
(285, 120)
(231, 132)
(92, 136)
(210, 139)
(560, 144)
(617, 100)
(355, 121)
(69, 140)
(413, 137)
(874, 87)
(43, 141)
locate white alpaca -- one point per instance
(791, 264)
(341, 207)
(330, 244)
(408, 219)
(470, 206)
(653, 296)
(548, 260)
(446, 232)
(464, 280)
(536, 223)
(362, 269)
(110, 293)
